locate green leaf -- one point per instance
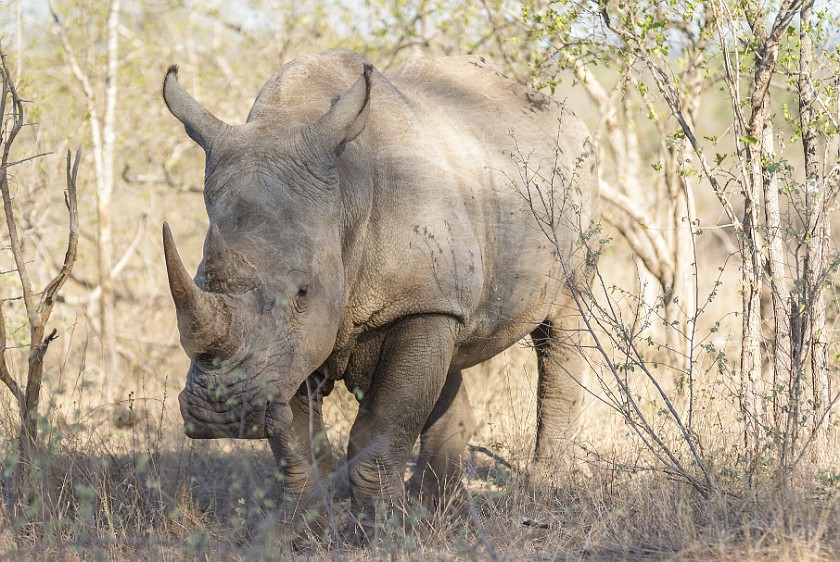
(749, 139)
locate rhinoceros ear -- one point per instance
(348, 117)
(200, 124)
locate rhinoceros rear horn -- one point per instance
(204, 319)
(200, 124)
(348, 117)
(225, 270)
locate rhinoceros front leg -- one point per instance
(559, 390)
(437, 477)
(302, 451)
(408, 376)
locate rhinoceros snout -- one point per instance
(249, 421)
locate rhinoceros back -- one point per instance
(522, 165)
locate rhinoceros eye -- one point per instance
(300, 298)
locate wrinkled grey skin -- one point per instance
(375, 229)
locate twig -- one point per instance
(27, 159)
(48, 298)
(496, 457)
(5, 375)
(482, 538)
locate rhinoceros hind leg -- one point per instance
(559, 390)
(437, 476)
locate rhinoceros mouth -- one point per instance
(258, 419)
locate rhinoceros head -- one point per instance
(264, 308)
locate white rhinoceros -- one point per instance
(387, 230)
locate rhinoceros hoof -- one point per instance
(357, 535)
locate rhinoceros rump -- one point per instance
(387, 230)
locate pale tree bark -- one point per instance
(749, 241)
(103, 136)
(110, 356)
(751, 246)
(763, 181)
(798, 339)
(760, 180)
(815, 261)
(759, 185)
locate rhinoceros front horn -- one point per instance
(205, 321)
(201, 125)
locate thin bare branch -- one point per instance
(48, 297)
(27, 159)
(10, 93)
(5, 375)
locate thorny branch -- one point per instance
(545, 201)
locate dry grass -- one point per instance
(144, 492)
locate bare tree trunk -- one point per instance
(759, 181)
(109, 366)
(776, 272)
(815, 261)
(751, 280)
